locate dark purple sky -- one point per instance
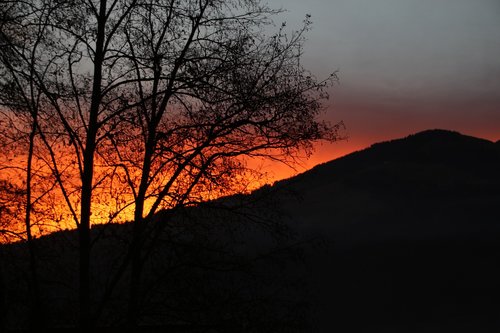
(404, 66)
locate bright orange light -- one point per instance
(113, 200)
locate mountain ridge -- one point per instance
(439, 170)
(412, 226)
(425, 138)
(405, 238)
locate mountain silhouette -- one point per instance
(413, 227)
(399, 237)
(432, 183)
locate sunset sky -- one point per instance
(404, 66)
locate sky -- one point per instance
(403, 66)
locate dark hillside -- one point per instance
(211, 269)
(413, 226)
(427, 156)
(400, 237)
(428, 184)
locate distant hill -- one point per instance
(432, 183)
(400, 237)
(413, 226)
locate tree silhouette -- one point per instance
(137, 106)
(22, 46)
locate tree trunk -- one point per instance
(138, 230)
(135, 276)
(88, 172)
(37, 317)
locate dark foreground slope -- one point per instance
(414, 233)
(400, 237)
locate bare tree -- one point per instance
(156, 105)
(22, 47)
(81, 34)
(209, 89)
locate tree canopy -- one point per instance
(114, 110)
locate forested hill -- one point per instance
(422, 151)
(413, 227)
(435, 182)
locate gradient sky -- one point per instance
(404, 66)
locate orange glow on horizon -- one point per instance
(323, 153)
(271, 172)
(326, 152)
